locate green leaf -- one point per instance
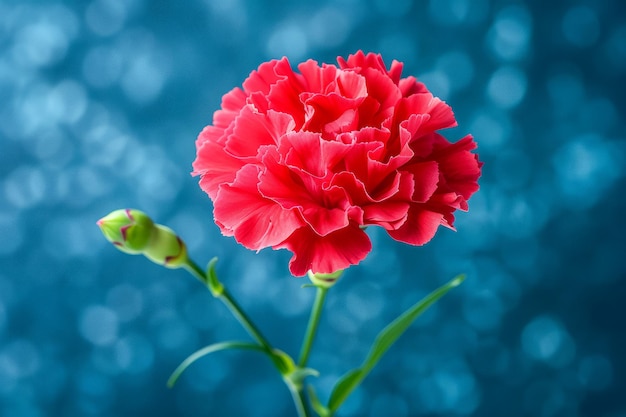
(395, 329)
(215, 286)
(210, 349)
(283, 362)
(385, 339)
(344, 387)
(316, 404)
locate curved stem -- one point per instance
(196, 271)
(311, 330)
(243, 318)
(232, 305)
(297, 391)
(299, 400)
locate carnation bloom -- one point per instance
(306, 160)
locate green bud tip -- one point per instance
(128, 229)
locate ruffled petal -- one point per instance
(440, 114)
(284, 95)
(262, 79)
(317, 79)
(388, 208)
(330, 114)
(419, 227)
(410, 85)
(325, 209)
(370, 160)
(214, 165)
(326, 254)
(426, 176)
(361, 61)
(314, 155)
(255, 222)
(382, 90)
(252, 130)
(460, 167)
(232, 103)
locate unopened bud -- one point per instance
(133, 232)
(166, 248)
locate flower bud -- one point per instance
(324, 280)
(133, 232)
(166, 248)
(129, 230)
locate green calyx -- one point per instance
(324, 280)
(166, 248)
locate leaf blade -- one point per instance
(215, 347)
(387, 337)
(316, 404)
(384, 340)
(346, 384)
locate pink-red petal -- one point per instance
(426, 175)
(252, 130)
(419, 227)
(256, 222)
(325, 209)
(326, 254)
(215, 166)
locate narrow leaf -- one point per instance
(396, 328)
(316, 404)
(344, 387)
(283, 362)
(385, 339)
(207, 350)
(215, 286)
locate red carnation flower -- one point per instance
(305, 160)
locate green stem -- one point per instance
(297, 391)
(196, 271)
(299, 400)
(243, 318)
(311, 330)
(232, 305)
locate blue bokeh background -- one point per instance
(100, 104)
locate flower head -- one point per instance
(304, 160)
(132, 231)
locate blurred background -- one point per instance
(100, 105)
